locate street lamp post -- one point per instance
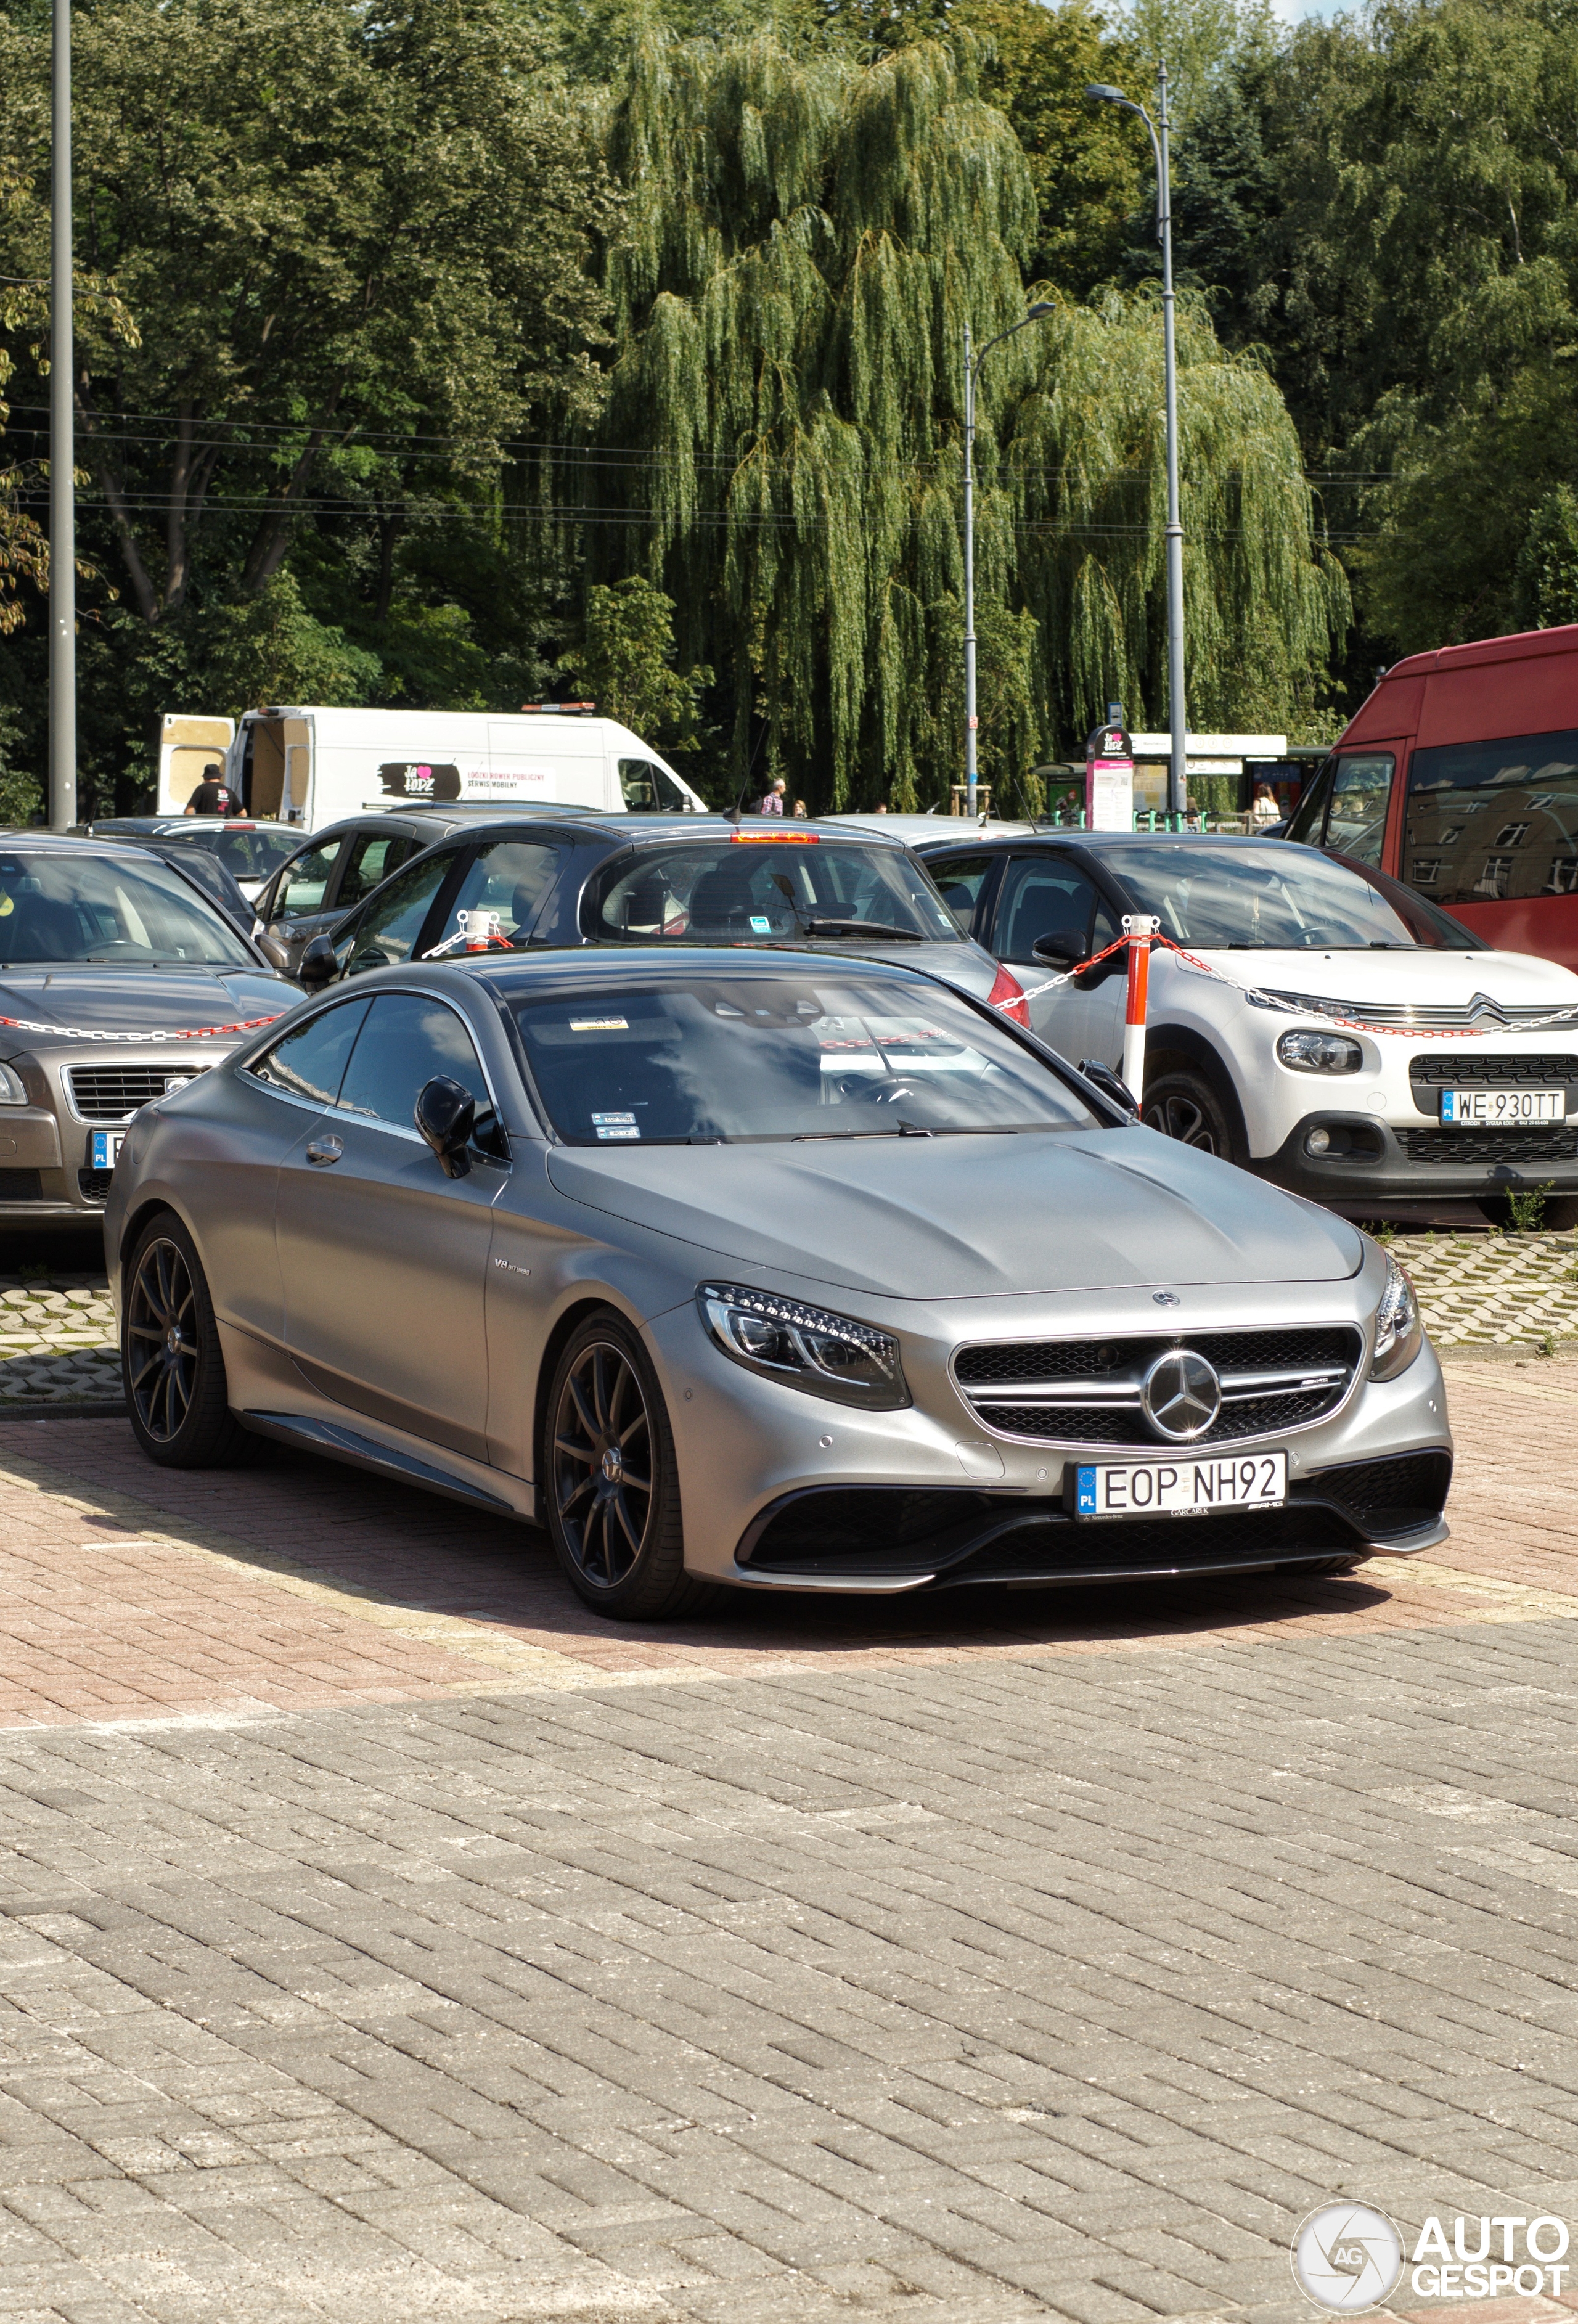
(62, 448)
(1177, 794)
(971, 373)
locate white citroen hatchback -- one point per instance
(1309, 1019)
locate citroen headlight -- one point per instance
(1398, 1333)
(1320, 1053)
(12, 1092)
(805, 1347)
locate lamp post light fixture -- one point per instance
(1102, 94)
(972, 374)
(62, 803)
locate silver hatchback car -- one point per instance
(774, 1269)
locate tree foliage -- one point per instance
(625, 663)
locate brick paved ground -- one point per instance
(381, 1936)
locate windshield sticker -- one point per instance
(600, 1025)
(760, 924)
(615, 1125)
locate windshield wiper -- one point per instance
(862, 928)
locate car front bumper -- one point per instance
(1386, 1162)
(782, 1489)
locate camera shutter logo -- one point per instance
(1347, 2257)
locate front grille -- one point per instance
(1087, 1391)
(1516, 1147)
(111, 1092)
(21, 1186)
(1480, 1072)
(1385, 1496)
(1437, 1018)
(94, 1184)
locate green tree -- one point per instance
(1545, 587)
(625, 662)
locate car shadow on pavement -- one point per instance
(390, 1547)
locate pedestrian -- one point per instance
(880, 808)
(213, 795)
(772, 799)
(800, 808)
(1265, 808)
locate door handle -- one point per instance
(322, 1151)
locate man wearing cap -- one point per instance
(213, 795)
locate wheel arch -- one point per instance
(137, 1218)
(1168, 1046)
(585, 1305)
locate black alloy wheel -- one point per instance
(1184, 1106)
(171, 1358)
(612, 1489)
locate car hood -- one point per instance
(959, 1218)
(1441, 979)
(137, 1000)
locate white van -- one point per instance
(312, 767)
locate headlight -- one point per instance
(1398, 1333)
(12, 1092)
(805, 1347)
(1320, 1053)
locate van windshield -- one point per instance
(757, 890)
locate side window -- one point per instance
(304, 882)
(647, 789)
(1361, 789)
(374, 855)
(390, 928)
(310, 1062)
(1309, 817)
(406, 1041)
(960, 880)
(1488, 822)
(501, 895)
(1042, 898)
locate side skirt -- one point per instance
(327, 1436)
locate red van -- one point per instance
(1460, 776)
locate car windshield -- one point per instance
(704, 1060)
(245, 854)
(90, 908)
(756, 887)
(1258, 896)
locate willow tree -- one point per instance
(807, 239)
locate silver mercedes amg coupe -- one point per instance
(751, 1267)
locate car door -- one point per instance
(383, 1258)
(965, 883)
(1047, 893)
(299, 903)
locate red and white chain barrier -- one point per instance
(191, 1033)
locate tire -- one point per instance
(1559, 1215)
(615, 1525)
(1182, 1104)
(177, 1395)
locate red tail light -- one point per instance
(1008, 995)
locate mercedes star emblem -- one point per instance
(1180, 1396)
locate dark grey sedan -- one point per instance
(787, 1270)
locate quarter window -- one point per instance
(1496, 820)
(1361, 789)
(310, 1062)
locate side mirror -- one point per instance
(1060, 949)
(1111, 1085)
(318, 964)
(446, 1114)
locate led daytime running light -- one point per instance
(1400, 1334)
(806, 1347)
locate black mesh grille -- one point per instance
(1479, 1071)
(109, 1092)
(1388, 1496)
(21, 1186)
(1163, 1546)
(984, 1365)
(874, 1528)
(94, 1185)
(1516, 1147)
(1307, 1349)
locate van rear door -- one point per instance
(186, 746)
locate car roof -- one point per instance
(618, 962)
(930, 830)
(1114, 841)
(757, 831)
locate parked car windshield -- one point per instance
(245, 854)
(756, 887)
(1258, 896)
(90, 908)
(700, 1060)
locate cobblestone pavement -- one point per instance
(57, 1339)
(380, 1936)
